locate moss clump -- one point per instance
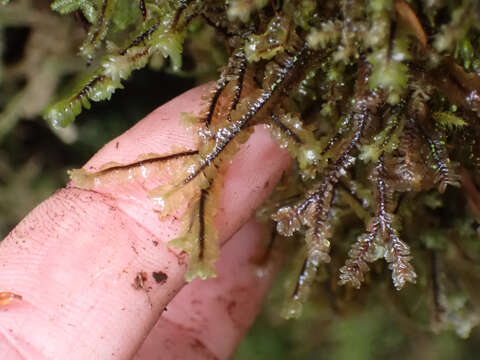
(377, 101)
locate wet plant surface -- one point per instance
(378, 103)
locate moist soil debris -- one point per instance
(160, 277)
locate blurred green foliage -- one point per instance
(372, 334)
(373, 330)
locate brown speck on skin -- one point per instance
(182, 258)
(155, 243)
(117, 144)
(160, 277)
(139, 283)
(6, 297)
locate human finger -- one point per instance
(207, 319)
(75, 257)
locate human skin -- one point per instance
(74, 258)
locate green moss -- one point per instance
(95, 89)
(380, 119)
(87, 7)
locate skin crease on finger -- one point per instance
(74, 258)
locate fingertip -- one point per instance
(156, 133)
